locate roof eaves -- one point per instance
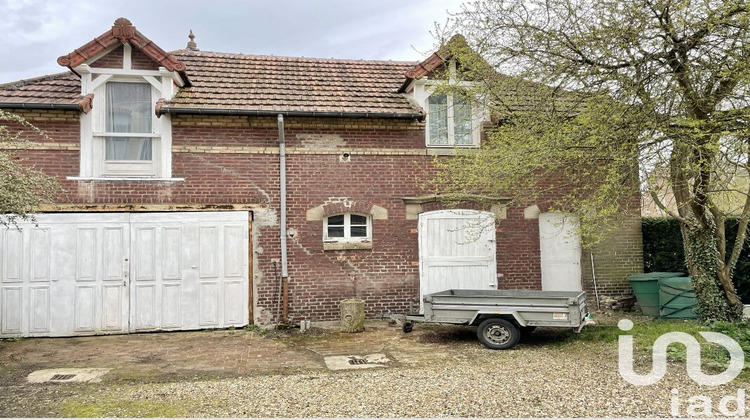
(167, 109)
(40, 105)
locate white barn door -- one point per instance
(456, 251)
(560, 250)
(67, 276)
(189, 270)
(107, 273)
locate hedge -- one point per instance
(662, 250)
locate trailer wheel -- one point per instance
(407, 327)
(498, 334)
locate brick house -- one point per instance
(172, 213)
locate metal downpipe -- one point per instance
(282, 221)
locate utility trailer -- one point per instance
(501, 316)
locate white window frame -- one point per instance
(132, 168)
(347, 238)
(93, 125)
(423, 88)
(451, 124)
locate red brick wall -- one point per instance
(232, 160)
(111, 60)
(138, 60)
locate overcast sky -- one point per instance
(33, 33)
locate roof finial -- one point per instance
(192, 45)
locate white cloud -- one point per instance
(36, 32)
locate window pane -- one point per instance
(336, 220)
(358, 220)
(359, 231)
(335, 231)
(128, 148)
(437, 116)
(462, 122)
(128, 108)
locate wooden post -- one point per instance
(352, 315)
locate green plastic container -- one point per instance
(646, 288)
(677, 298)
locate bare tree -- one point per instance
(582, 90)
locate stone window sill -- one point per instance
(124, 178)
(342, 246)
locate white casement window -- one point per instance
(347, 227)
(121, 137)
(450, 122)
(129, 137)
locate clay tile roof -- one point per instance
(222, 82)
(56, 89)
(260, 83)
(267, 83)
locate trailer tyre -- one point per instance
(407, 327)
(498, 334)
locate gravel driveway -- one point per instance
(435, 372)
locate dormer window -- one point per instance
(454, 112)
(123, 76)
(127, 140)
(128, 137)
(449, 121)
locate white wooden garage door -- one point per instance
(104, 273)
(456, 251)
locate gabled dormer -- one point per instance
(452, 120)
(124, 75)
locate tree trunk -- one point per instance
(717, 300)
(352, 315)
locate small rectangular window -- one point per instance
(347, 227)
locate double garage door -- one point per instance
(110, 273)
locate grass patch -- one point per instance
(256, 329)
(713, 356)
(123, 409)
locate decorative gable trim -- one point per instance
(86, 103)
(435, 61)
(123, 32)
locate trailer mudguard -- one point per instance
(500, 314)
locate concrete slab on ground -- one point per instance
(68, 375)
(356, 362)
